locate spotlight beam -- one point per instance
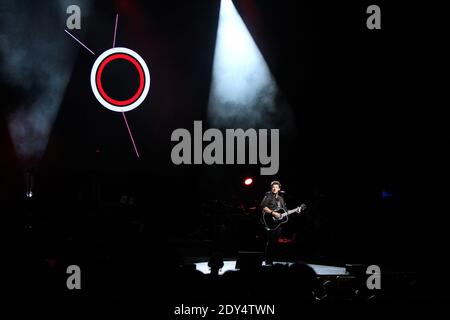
(79, 42)
(243, 91)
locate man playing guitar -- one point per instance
(272, 206)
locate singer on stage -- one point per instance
(271, 201)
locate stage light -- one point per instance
(386, 194)
(248, 181)
(29, 182)
(39, 67)
(243, 90)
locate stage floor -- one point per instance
(320, 270)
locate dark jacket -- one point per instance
(272, 202)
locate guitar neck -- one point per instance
(289, 212)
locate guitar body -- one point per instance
(272, 223)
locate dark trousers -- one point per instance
(271, 244)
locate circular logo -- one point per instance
(96, 79)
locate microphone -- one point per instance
(281, 191)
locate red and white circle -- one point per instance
(97, 86)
